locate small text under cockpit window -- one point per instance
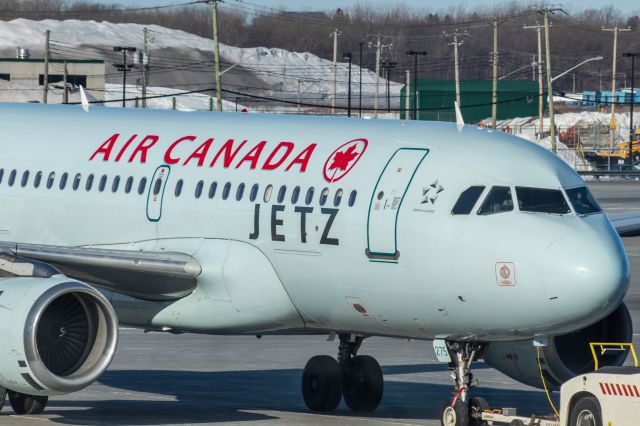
(583, 201)
(467, 200)
(499, 200)
(539, 200)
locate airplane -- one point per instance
(250, 224)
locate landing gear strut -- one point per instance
(462, 410)
(356, 377)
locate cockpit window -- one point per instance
(583, 201)
(467, 200)
(499, 200)
(539, 200)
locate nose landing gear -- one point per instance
(462, 410)
(357, 378)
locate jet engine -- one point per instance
(58, 335)
(565, 356)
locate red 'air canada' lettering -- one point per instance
(188, 151)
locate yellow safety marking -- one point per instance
(544, 384)
(603, 345)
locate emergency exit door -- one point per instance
(386, 202)
(156, 193)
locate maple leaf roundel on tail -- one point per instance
(343, 159)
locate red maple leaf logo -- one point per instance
(342, 159)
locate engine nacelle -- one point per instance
(57, 335)
(565, 356)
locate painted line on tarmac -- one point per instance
(366, 420)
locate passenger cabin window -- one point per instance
(540, 200)
(309, 198)
(103, 183)
(583, 201)
(254, 192)
(37, 180)
(89, 183)
(225, 190)
(128, 185)
(199, 188)
(499, 200)
(25, 178)
(240, 192)
(142, 185)
(323, 196)
(1, 174)
(352, 198)
(282, 193)
(158, 185)
(76, 182)
(295, 194)
(52, 178)
(63, 180)
(267, 193)
(467, 200)
(212, 190)
(12, 177)
(338, 198)
(116, 184)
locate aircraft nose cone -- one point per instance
(586, 275)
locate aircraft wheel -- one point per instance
(476, 406)
(363, 384)
(3, 397)
(322, 383)
(458, 415)
(586, 412)
(27, 404)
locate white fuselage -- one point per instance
(397, 263)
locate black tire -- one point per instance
(476, 406)
(458, 415)
(363, 384)
(3, 397)
(27, 404)
(586, 411)
(322, 383)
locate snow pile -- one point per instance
(162, 98)
(276, 67)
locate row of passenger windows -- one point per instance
(534, 200)
(129, 185)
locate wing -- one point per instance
(145, 275)
(627, 224)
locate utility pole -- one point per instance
(456, 59)
(494, 60)
(415, 54)
(538, 29)
(348, 56)
(633, 57)
(612, 121)
(45, 94)
(360, 83)
(552, 124)
(375, 98)
(216, 54)
(65, 96)
(406, 95)
(145, 80)
(335, 35)
(299, 106)
(388, 66)
(124, 67)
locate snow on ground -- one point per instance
(186, 102)
(277, 67)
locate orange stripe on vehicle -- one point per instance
(613, 389)
(619, 391)
(608, 389)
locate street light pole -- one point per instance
(631, 133)
(348, 56)
(124, 67)
(415, 54)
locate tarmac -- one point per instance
(165, 379)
